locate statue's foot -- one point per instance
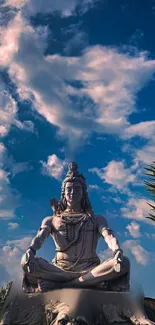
(27, 287)
(46, 285)
(29, 290)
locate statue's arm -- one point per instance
(107, 234)
(43, 233)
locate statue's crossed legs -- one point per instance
(49, 276)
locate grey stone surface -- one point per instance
(72, 307)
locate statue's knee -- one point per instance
(126, 264)
(24, 263)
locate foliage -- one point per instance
(151, 187)
(4, 291)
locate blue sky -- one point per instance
(77, 83)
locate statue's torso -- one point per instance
(72, 244)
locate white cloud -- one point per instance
(20, 167)
(134, 229)
(137, 209)
(65, 8)
(22, 243)
(150, 236)
(109, 83)
(94, 187)
(10, 256)
(140, 254)
(146, 154)
(115, 174)
(15, 3)
(106, 254)
(2, 154)
(10, 40)
(54, 167)
(143, 129)
(8, 111)
(109, 79)
(76, 42)
(13, 225)
(9, 199)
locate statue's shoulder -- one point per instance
(47, 222)
(101, 220)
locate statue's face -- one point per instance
(73, 193)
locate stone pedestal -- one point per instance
(71, 307)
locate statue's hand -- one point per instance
(28, 260)
(119, 259)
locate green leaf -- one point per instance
(151, 217)
(153, 207)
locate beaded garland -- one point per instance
(79, 235)
(76, 217)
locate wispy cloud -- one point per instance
(9, 198)
(116, 174)
(3, 154)
(146, 154)
(22, 243)
(20, 167)
(13, 225)
(108, 79)
(10, 256)
(54, 167)
(10, 40)
(141, 255)
(93, 187)
(142, 129)
(137, 209)
(67, 8)
(78, 41)
(106, 254)
(18, 4)
(134, 229)
(8, 111)
(109, 83)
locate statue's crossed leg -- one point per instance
(49, 276)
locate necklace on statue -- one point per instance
(67, 237)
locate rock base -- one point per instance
(71, 306)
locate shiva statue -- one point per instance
(75, 230)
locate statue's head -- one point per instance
(74, 190)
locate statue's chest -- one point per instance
(63, 231)
(58, 224)
(73, 233)
(69, 230)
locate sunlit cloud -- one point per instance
(137, 209)
(134, 229)
(54, 167)
(13, 225)
(10, 256)
(115, 173)
(141, 255)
